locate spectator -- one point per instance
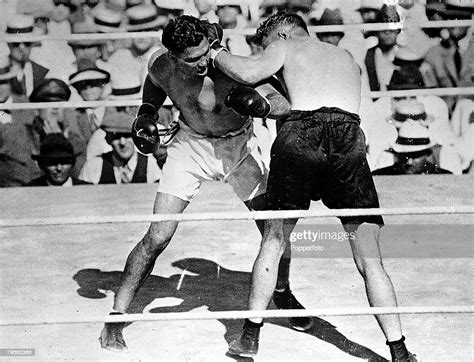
(414, 58)
(414, 153)
(271, 7)
(125, 85)
(330, 17)
(206, 10)
(384, 131)
(59, 23)
(449, 59)
(170, 9)
(87, 52)
(123, 164)
(56, 159)
(29, 73)
(369, 11)
(232, 15)
(379, 59)
(91, 85)
(56, 120)
(140, 18)
(16, 167)
(110, 21)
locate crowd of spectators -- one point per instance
(94, 145)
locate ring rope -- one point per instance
(249, 215)
(242, 314)
(16, 38)
(136, 102)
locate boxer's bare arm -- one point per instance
(153, 93)
(278, 103)
(252, 70)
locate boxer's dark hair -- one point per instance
(277, 20)
(182, 33)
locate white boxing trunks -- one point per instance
(234, 158)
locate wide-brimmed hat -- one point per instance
(7, 72)
(125, 85)
(407, 111)
(412, 137)
(143, 17)
(20, 24)
(117, 122)
(55, 146)
(85, 28)
(107, 20)
(50, 90)
(91, 76)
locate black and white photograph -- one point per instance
(236, 180)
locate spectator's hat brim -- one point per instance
(148, 26)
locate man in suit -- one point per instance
(123, 164)
(16, 168)
(29, 73)
(379, 59)
(56, 159)
(450, 59)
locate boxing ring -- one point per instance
(59, 278)
(63, 251)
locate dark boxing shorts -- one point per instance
(320, 155)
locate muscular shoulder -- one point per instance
(158, 61)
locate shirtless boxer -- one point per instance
(214, 142)
(319, 153)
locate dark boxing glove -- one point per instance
(246, 101)
(145, 130)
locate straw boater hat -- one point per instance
(125, 85)
(7, 72)
(85, 28)
(91, 76)
(409, 111)
(20, 24)
(143, 17)
(412, 137)
(107, 20)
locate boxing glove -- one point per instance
(246, 101)
(145, 130)
(215, 33)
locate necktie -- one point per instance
(125, 176)
(457, 60)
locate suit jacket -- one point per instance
(39, 73)
(42, 181)
(441, 60)
(16, 166)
